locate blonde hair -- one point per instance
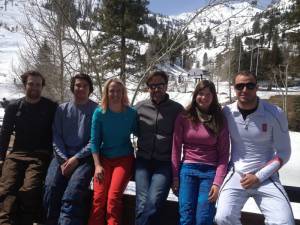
(104, 103)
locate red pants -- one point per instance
(108, 193)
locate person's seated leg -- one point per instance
(55, 185)
(10, 182)
(229, 206)
(188, 192)
(230, 202)
(30, 194)
(100, 192)
(120, 177)
(77, 197)
(274, 204)
(206, 209)
(143, 175)
(157, 193)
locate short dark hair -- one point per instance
(160, 73)
(246, 74)
(82, 76)
(33, 73)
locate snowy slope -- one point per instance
(225, 21)
(235, 19)
(283, 5)
(11, 37)
(239, 14)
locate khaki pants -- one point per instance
(21, 186)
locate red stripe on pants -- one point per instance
(108, 193)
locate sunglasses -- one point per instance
(154, 86)
(241, 86)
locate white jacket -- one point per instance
(260, 144)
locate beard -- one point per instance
(33, 94)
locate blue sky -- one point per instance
(174, 7)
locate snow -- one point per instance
(222, 19)
(9, 91)
(11, 39)
(239, 14)
(283, 5)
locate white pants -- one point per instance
(269, 196)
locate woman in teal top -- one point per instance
(112, 151)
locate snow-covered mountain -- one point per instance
(282, 5)
(225, 21)
(218, 17)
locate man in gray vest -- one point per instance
(153, 175)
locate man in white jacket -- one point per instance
(260, 145)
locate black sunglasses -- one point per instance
(241, 86)
(154, 86)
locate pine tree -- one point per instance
(199, 36)
(271, 25)
(179, 46)
(208, 37)
(64, 9)
(236, 54)
(292, 19)
(256, 26)
(240, 59)
(276, 55)
(269, 61)
(120, 21)
(294, 14)
(155, 45)
(187, 61)
(46, 65)
(220, 66)
(214, 43)
(205, 59)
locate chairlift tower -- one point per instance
(229, 58)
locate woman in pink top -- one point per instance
(201, 137)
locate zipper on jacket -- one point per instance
(156, 128)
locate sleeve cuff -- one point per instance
(2, 155)
(218, 181)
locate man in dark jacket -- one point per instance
(153, 165)
(24, 168)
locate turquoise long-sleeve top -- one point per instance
(110, 132)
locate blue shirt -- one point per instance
(110, 133)
(71, 130)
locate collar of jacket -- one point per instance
(163, 101)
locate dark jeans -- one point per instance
(195, 183)
(67, 199)
(153, 181)
(21, 185)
